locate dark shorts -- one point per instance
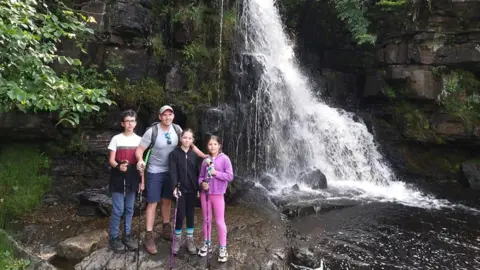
(158, 186)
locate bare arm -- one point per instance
(139, 153)
(198, 152)
(111, 159)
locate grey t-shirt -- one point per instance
(158, 161)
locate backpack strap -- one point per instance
(178, 130)
(154, 136)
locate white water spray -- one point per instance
(305, 133)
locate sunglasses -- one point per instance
(167, 136)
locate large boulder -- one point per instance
(128, 18)
(82, 245)
(98, 202)
(267, 181)
(314, 179)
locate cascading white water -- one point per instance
(303, 132)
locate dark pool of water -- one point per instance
(394, 236)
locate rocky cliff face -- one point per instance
(161, 52)
(417, 88)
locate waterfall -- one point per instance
(302, 131)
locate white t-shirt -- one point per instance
(124, 147)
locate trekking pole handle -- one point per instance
(177, 187)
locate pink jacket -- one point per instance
(217, 184)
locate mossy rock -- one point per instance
(415, 124)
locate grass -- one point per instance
(24, 176)
(7, 259)
(24, 179)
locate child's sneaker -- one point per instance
(203, 250)
(222, 254)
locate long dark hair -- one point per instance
(218, 140)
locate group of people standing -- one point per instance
(171, 173)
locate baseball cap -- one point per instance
(165, 108)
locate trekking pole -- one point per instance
(139, 219)
(172, 260)
(209, 176)
(208, 230)
(124, 205)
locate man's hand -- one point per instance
(205, 185)
(141, 165)
(141, 187)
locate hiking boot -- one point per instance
(149, 243)
(116, 245)
(203, 250)
(192, 249)
(130, 243)
(177, 243)
(222, 254)
(167, 232)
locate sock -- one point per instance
(165, 225)
(178, 232)
(189, 232)
(207, 242)
(223, 247)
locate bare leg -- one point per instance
(150, 215)
(166, 206)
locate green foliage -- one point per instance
(29, 30)
(414, 124)
(147, 92)
(391, 5)
(352, 13)
(24, 180)
(396, 91)
(461, 96)
(158, 48)
(7, 260)
(202, 63)
(229, 23)
(190, 15)
(77, 144)
(194, 53)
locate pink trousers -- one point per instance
(218, 203)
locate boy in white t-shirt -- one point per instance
(124, 182)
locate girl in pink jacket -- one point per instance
(215, 174)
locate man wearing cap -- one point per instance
(157, 181)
